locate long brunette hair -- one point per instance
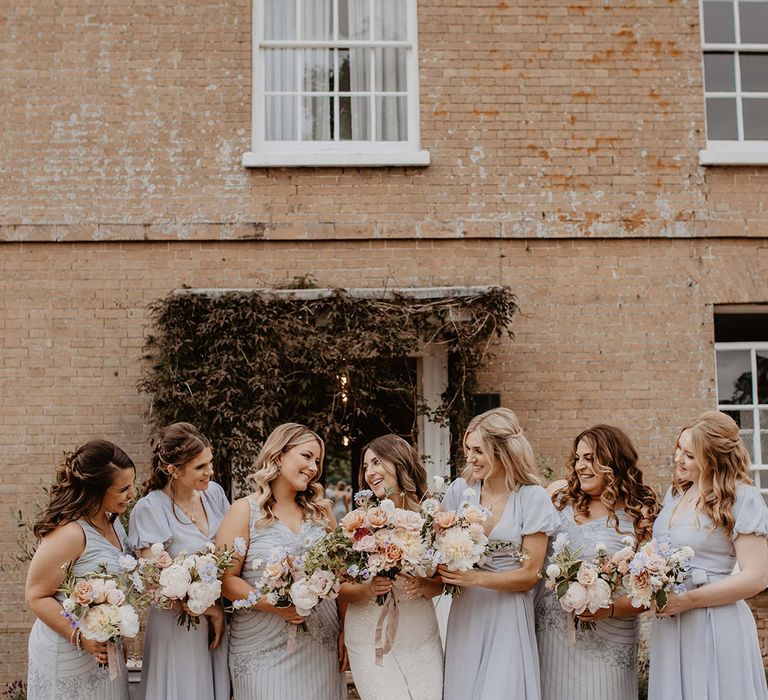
(410, 474)
(82, 478)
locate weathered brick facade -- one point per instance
(564, 142)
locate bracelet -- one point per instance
(612, 609)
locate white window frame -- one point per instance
(761, 460)
(265, 153)
(739, 152)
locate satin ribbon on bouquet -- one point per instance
(112, 661)
(389, 616)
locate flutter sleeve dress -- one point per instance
(57, 669)
(490, 649)
(262, 662)
(602, 662)
(710, 653)
(177, 663)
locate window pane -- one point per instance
(762, 380)
(318, 70)
(719, 75)
(391, 70)
(280, 70)
(317, 122)
(763, 439)
(755, 119)
(391, 119)
(753, 21)
(721, 119)
(389, 20)
(354, 118)
(734, 377)
(316, 19)
(718, 23)
(354, 19)
(280, 116)
(745, 421)
(754, 72)
(354, 70)
(279, 19)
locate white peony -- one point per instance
(598, 595)
(553, 571)
(189, 562)
(430, 506)
(127, 562)
(174, 581)
(202, 596)
(459, 551)
(303, 597)
(115, 596)
(101, 622)
(129, 621)
(575, 599)
(156, 549)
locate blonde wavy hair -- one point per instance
(501, 437)
(615, 459)
(724, 462)
(408, 470)
(312, 500)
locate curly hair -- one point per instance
(615, 459)
(178, 445)
(724, 462)
(312, 500)
(501, 437)
(81, 481)
(408, 470)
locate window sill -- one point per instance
(734, 153)
(330, 159)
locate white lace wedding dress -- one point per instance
(413, 669)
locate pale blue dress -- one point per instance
(602, 663)
(57, 669)
(490, 648)
(176, 663)
(262, 666)
(709, 653)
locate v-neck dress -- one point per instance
(490, 646)
(57, 669)
(260, 661)
(176, 662)
(602, 663)
(709, 653)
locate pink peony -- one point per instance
(575, 599)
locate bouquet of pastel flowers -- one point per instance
(586, 584)
(190, 579)
(102, 606)
(457, 539)
(656, 569)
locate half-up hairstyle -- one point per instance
(282, 439)
(724, 462)
(81, 481)
(411, 475)
(178, 445)
(502, 439)
(615, 459)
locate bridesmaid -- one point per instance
(490, 649)
(413, 668)
(93, 485)
(602, 501)
(704, 642)
(287, 510)
(182, 509)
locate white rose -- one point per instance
(128, 562)
(553, 571)
(202, 596)
(587, 575)
(388, 506)
(303, 598)
(99, 590)
(430, 506)
(115, 596)
(189, 562)
(156, 549)
(575, 599)
(598, 595)
(174, 581)
(129, 621)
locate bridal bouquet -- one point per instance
(458, 541)
(656, 569)
(190, 579)
(102, 606)
(586, 584)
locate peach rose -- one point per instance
(115, 596)
(352, 521)
(163, 560)
(586, 575)
(474, 515)
(445, 519)
(83, 592)
(274, 569)
(393, 552)
(377, 517)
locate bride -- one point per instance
(413, 667)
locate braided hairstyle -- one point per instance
(81, 481)
(178, 445)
